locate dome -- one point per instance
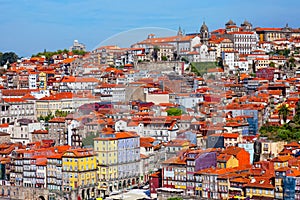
(246, 23)
(230, 23)
(204, 28)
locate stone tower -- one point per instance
(204, 34)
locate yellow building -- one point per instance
(261, 189)
(262, 63)
(107, 156)
(79, 168)
(227, 161)
(43, 80)
(281, 161)
(118, 156)
(270, 34)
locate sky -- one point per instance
(30, 26)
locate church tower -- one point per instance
(246, 26)
(204, 34)
(179, 33)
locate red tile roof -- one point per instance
(281, 158)
(223, 158)
(72, 79)
(57, 120)
(40, 132)
(14, 100)
(59, 96)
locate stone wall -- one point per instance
(165, 66)
(21, 193)
(27, 193)
(134, 93)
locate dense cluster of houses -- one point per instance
(121, 118)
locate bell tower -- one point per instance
(204, 34)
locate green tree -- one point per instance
(291, 62)
(59, 113)
(164, 58)
(272, 64)
(48, 117)
(174, 112)
(155, 53)
(296, 135)
(41, 118)
(253, 75)
(296, 118)
(9, 57)
(284, 112)
(79, 52)
(284, 134)
(175, 198)
(288, 131)
(284, 52)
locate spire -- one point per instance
(179, 33)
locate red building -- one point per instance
(155, 182)
(265, 73)
(239, 153)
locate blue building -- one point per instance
(252, 119)
(289, 186)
